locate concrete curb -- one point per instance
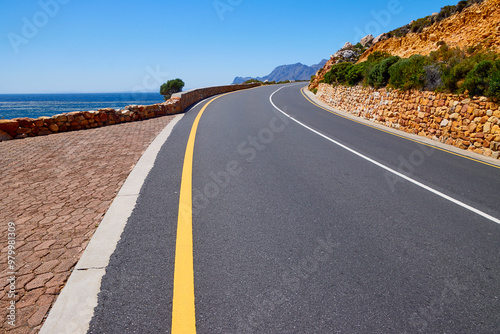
(413, 137)
(74, 307)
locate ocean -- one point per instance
(37, 105)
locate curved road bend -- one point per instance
(293, 233)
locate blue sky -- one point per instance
(54, 46)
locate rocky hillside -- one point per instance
(296, 71)
(477, 25)
(348, 53)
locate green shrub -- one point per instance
(419, 25)
(252, 81)
(494, 87)
(378, 56)
(374, 59)
(456, 69)
(408, 73)
(461, 6)
(477, 81)
(446, 54)
(497, 64)
(356, 74)
(455, 72)
(379, 75)
(171, 87)
(447, 69)
(338, 74)
(400, 32)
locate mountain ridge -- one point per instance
(297, 71)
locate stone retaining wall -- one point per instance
(79, 120)
(193, 96)
(470, 124)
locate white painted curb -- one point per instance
(74, 308)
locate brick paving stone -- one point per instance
(46, 267)
(65, 265)
(54, 254)
(36, 255)
(44, 245)
(45, 300)
(25, 279)
(20, 330)
(37, 318)
(30, 298)
(39, 281)
(22, 316)
(56, 189)
(57, 281)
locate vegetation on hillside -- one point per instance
(451, 70)
(419, 25)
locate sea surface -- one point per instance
(37, 105)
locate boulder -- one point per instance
(379, 38)
(88, 114)
(4, 136)
(367, 40)
(54, 128)
(487, 127)
(61, 118)
(8, 126)
(24, 121)
(347, 54)
(347, 46)
(338, 54)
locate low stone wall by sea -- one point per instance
(19, 128)
(468, 123)
(195, 95)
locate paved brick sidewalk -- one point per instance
(56, 190)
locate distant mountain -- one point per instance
(287, 72)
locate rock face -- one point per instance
(367, 40)
(470, 124)
(379, 38)
(478, 24)
(347, 46)
(348, 53)
(322, 71)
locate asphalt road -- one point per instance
(293, 233)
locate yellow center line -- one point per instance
(183, 306)
(395, 134)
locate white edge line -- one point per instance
(434, 191)
(74, 307)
